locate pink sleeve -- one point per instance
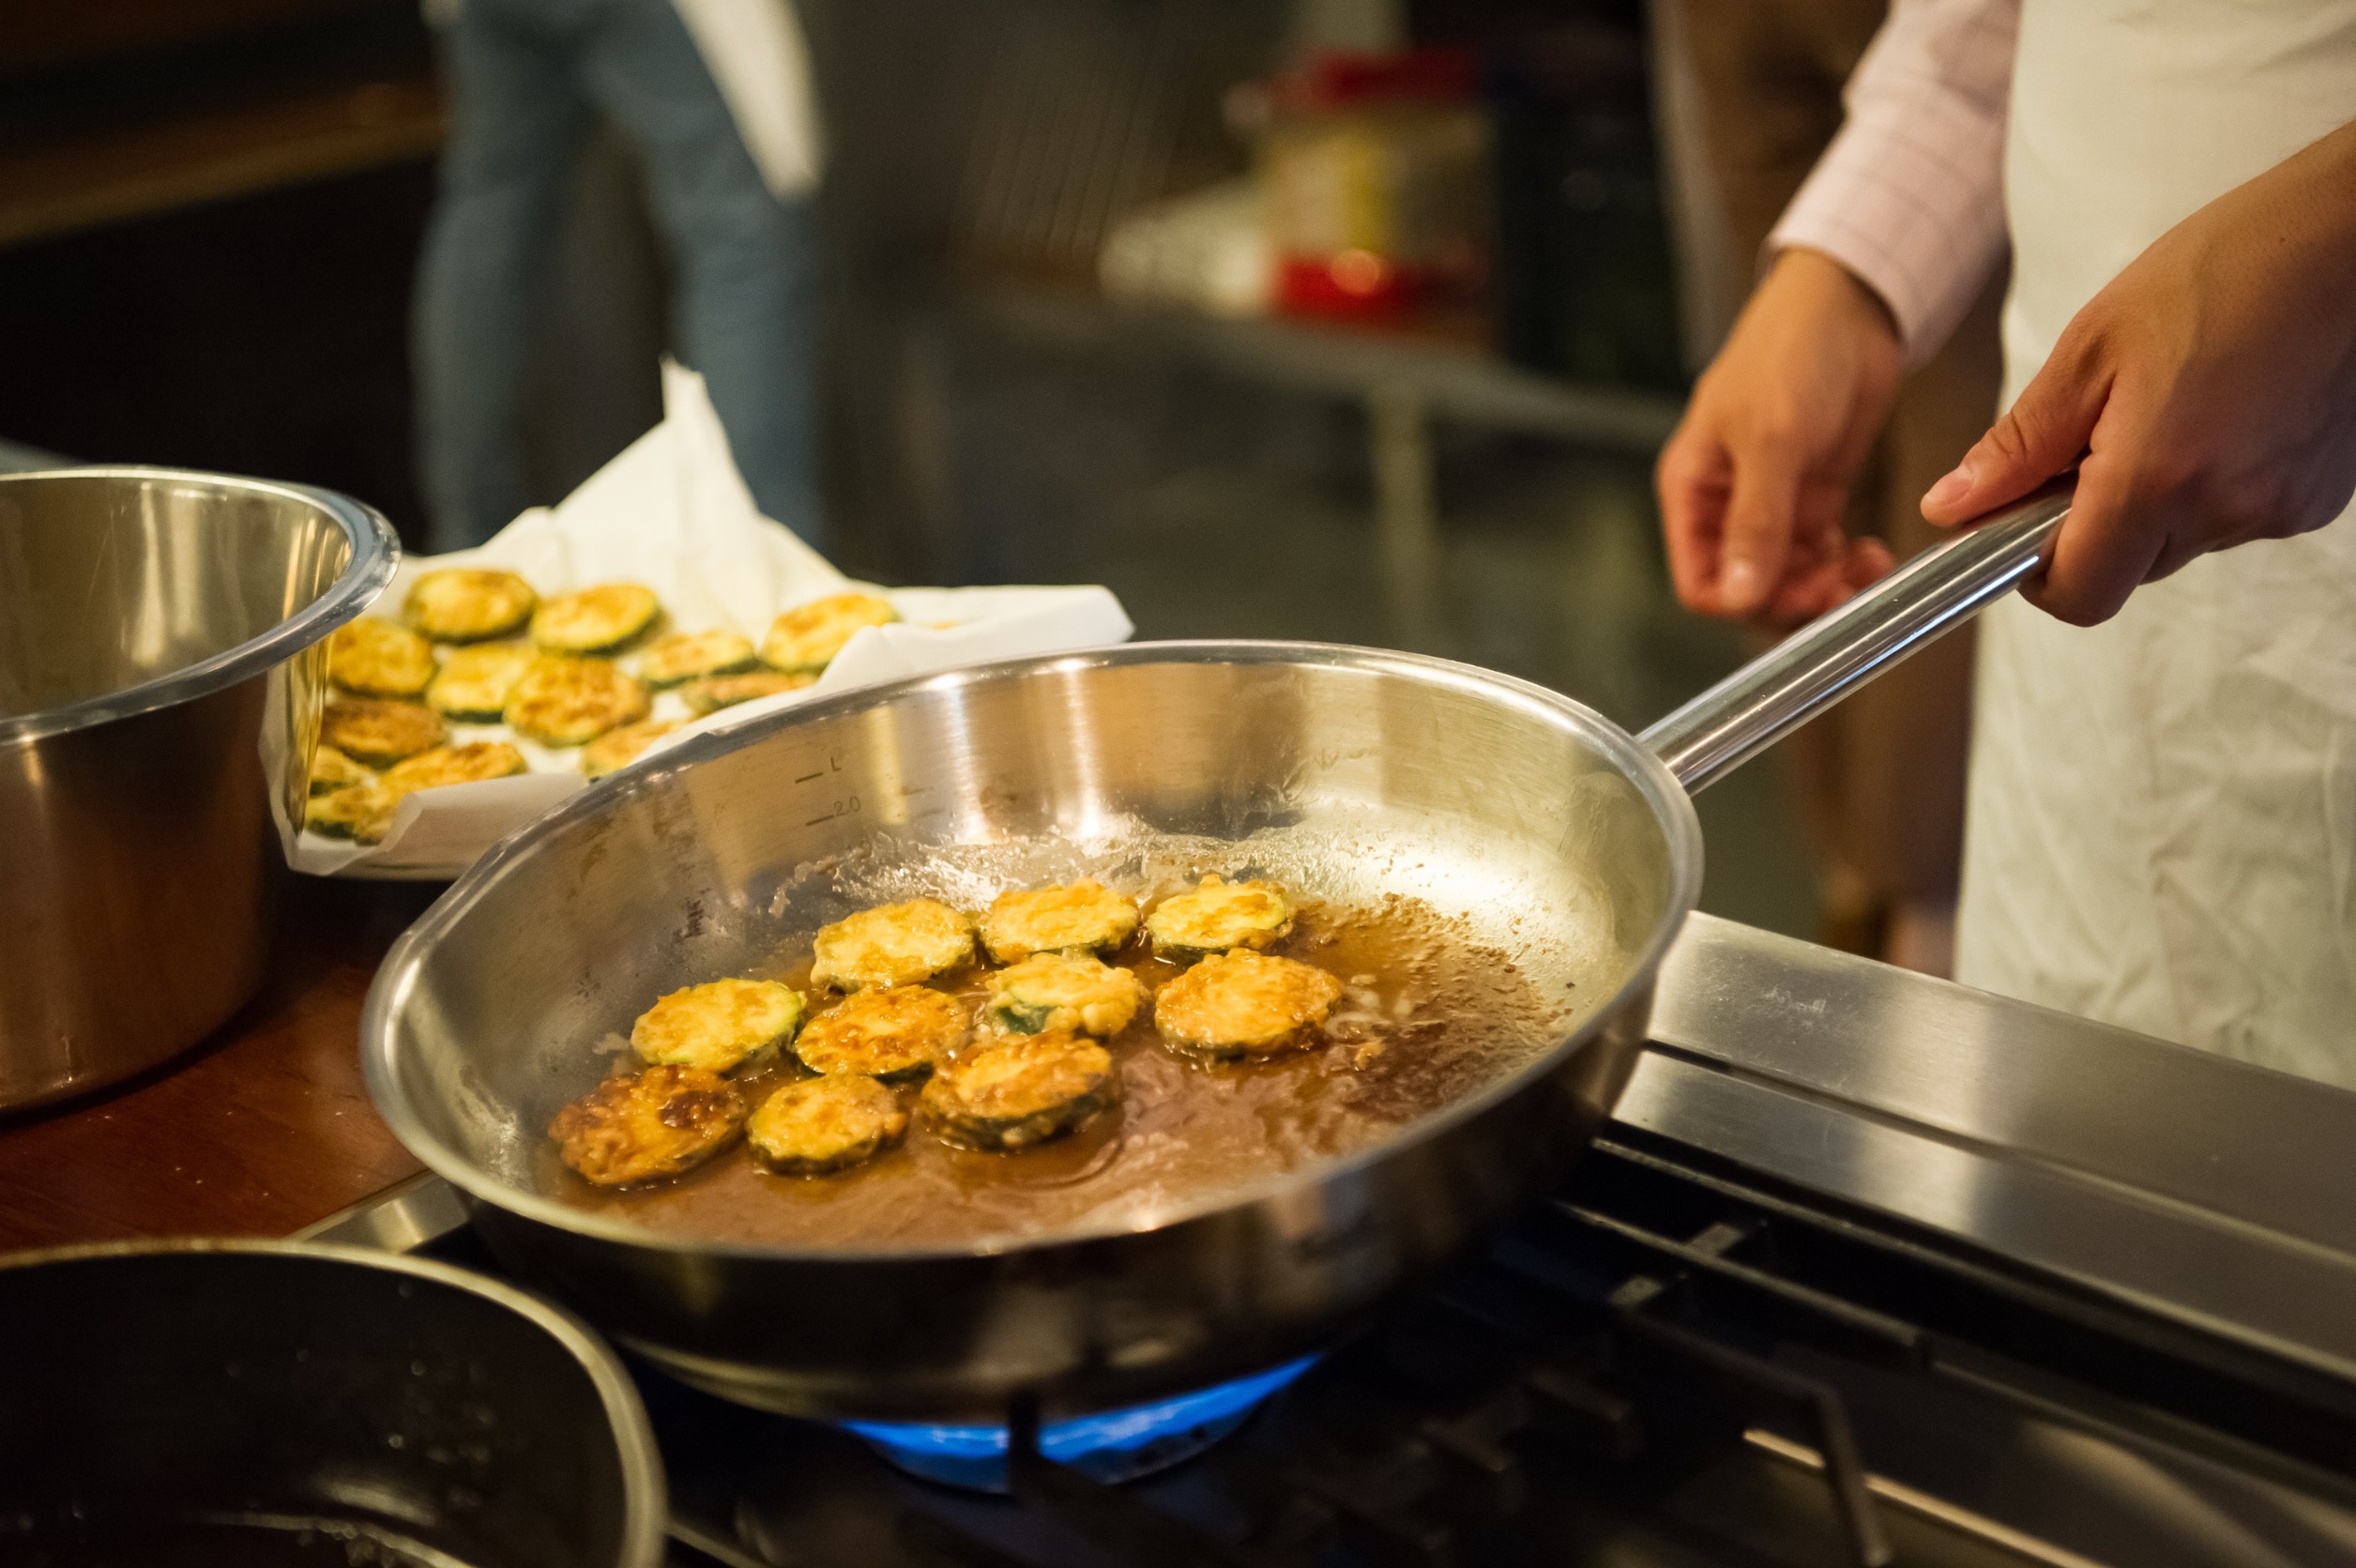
(1910, 194)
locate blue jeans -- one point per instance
(528, 78)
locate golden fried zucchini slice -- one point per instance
(825, 1124)
(1244, 1004)
(330, 770)
(808, 636)
(475, 682)
(1085, 917)
(468, 604)
(692, 655)
(1217, 916)
(618, 748)
(717, 1026)
(894, 944)
(375, 658)
(362, 812)
(594, 620)
(898, 1032)
(726, 691)
(453, 765)
(666, 1121)
(565, 702)
(378, 733)
(1066, 991)
(1021, 1091)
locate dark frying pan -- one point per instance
(1351, 772)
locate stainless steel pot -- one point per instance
(187, 1402)
(154, 626)
(1353, 772)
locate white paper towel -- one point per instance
(672, 513)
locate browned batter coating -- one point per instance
(662, 1121)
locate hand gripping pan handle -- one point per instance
(1839, 651)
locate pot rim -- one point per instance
(380, 1049)
(375, 554)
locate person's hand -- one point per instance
(2212, 386)
(1754, 481)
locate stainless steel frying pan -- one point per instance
(1351, 772)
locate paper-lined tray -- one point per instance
(672, 513)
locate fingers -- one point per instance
(2044, 431)
(2108, 547)
(1691, 481)
(1762, 515)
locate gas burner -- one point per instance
(1111, 1446)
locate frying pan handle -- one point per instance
(1824, 660)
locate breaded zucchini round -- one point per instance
(895, 944)
(379, 734)
(565, 702)
(1021, 1091)
(725, 691)
(1244, 1004)
(1085, 917)
(823, 1124)
(375, 658)
(808, 636)
(618, 748)
(475, 682)
(898, 1032)
(330, 770)
(1063, 990)
(719, 1025)
(594, 620)
(692, 655)
(362, 812)
(454, 765)
(468, 604)
(1218, 916)
(666, 1121)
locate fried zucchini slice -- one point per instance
(331, 771)
(1244, 1004)
(468, 604)
(717, 1026)
(454, 765)
(594, 620)
(617, 749)
(692, 655)
(565, 702)
(808, 636)
(726, 691)
(1085, 917)
(378, 733)
(1217, 916)
(825, 1124)
(899, 1032)
(1021, 1091)
(474, 682)
(1063, 991)
(663, 1121)
(375, 658)
(362, 812)
(895, 944)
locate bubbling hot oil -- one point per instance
(1428, 1016)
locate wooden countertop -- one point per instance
(258, 1131)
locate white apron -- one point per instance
(2163, 808)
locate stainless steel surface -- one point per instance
(1817, 665)
(402, 1218)
(2202, 1189)
(153, 1385)
(156, 627)
(1349, 774)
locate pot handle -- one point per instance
(1840, 650)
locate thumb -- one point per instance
(2044, 433)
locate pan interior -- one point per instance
(1527, 823)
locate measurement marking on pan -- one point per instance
(841, 808)
(807, 777)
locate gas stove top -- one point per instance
(1872, 1270)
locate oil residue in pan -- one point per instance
(1429, 1016)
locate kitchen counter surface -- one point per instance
(262, 1130)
